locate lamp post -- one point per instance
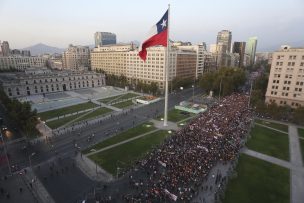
(118, 168)
(30, 159)
(250, 94)
(192, 93)
(220, 90)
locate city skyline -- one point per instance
(77, 21)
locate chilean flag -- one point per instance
(158, 35)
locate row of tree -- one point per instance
(122, 81)
(151, 88)
(117, 81)
(20, 113)
(178, 82)
(224, 81)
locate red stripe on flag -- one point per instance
(158, 39)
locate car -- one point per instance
(4, 128)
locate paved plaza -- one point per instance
(59, 100)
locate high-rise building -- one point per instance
(223, 58)
(5, 48)
(26, 53)
(76, 57)
(239, 48)
(219, 54)
(224, 37)
(124, 60)
(250, 50)
(16, 52)
(286, 78)
(203, 62)
(104, 38)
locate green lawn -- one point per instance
(67, 110)
(258, 182)
(126, 154)
(97, 112)
(128, 96)
(119, 97)
(124, 104)
(301, 132)
(269, 142)
(302, 148)
(60, 122)
(176, 115)
(278, 126)
(133, 132)
(106, 100)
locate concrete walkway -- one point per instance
(297, 178)
(44, 130)
(160, 125)
(273, 160)
(37, 187)
(92, 170)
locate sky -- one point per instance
(62, 22)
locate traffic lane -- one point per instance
(63, 144)
(68, 147)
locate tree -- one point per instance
(20, 113)
(153, 88)
(207, 81)
(298, 116)
(178, 82)
(227, 80)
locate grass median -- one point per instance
(124, 104)
(133, 132)
(277, 126)
(258, 181)
(302, 148)
(96, 113)
(67, 110)
(60, 122)
(301, 132)
(124, 156)
(269, 142)
(119, 97)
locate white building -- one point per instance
(286, 78)
(41, 81)
(124, 60)
(76, 57)
(21, 62)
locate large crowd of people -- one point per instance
(175, 170)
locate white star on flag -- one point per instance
(164, 23)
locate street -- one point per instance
(52, 152)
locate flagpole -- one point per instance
(167, 71)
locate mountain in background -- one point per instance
(40, 48)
